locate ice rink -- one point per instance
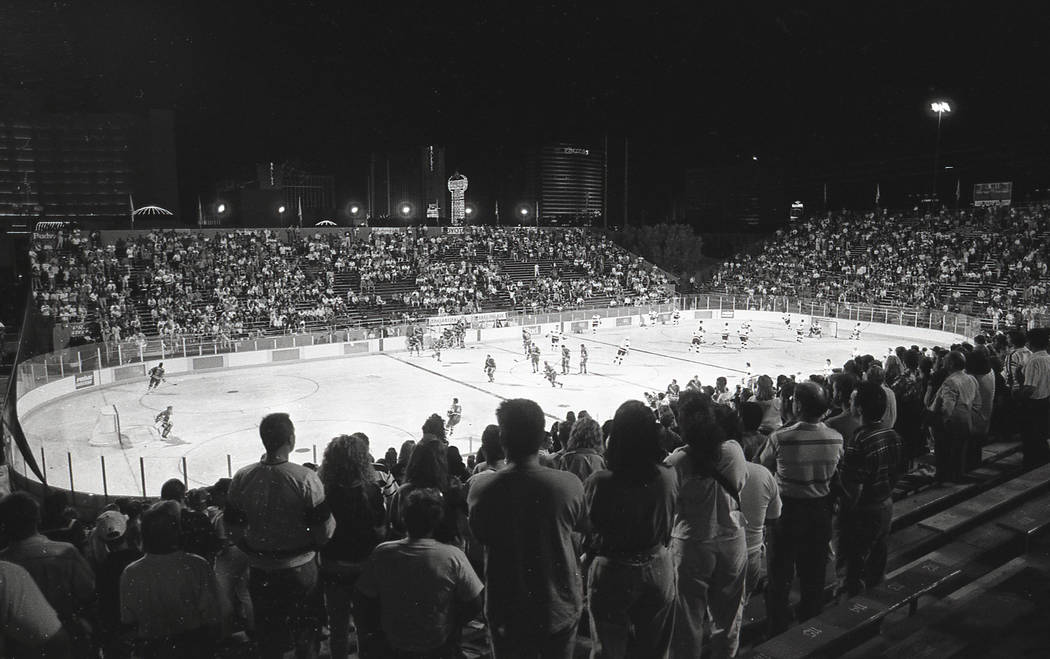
(388, 396)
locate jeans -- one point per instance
(863, 533)
(711, 578)
(799, 542)
(289, 608)
(231, 574)
(559, 645)
(338, 579)
(632, 596)
(1035, 428)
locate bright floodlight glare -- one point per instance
(280, 209)
(524, 211)
(754, 157)
(221, 208)
(468, 210)
(354, 209)
(405, 209)
(940, 107)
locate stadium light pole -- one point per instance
(941, 108)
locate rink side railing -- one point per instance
(64, 470)
(80, 359)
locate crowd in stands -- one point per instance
(906, 260)
(227, 285)
(648, 532)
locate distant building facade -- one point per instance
(88, 168)
(567, 183)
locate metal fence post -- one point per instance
(69, 460)
(43, 464)
(185, 473)
(142, 472)
(229, 465)
(61, 365)
(105, 483)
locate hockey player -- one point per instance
(653, 316)
(622, 351)
(815, 331)
(725, 336)
(526, 340)
(439, 343)
(490, 368)
(583, 359)
(676, 317)
(698, 339)
(596, 321)
(555, 337)
(566, 357)
(787, 320)
(551, 375)
(855, 334)
(856, 351)
(800, 331)
(747, 375)
(156, 376)
(165, 422)
(534, 353)
(827, 368)
(455, 411)
(743, 334)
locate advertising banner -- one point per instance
(993, 194)
(85, 380)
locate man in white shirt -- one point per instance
(1034, 394)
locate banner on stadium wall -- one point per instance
(993, 194)
(456, 231)
(624, 320)
(386, 230)
(469, 319)
(85, 380)
(727, 313)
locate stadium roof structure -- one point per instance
(152, 210)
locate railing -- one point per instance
(956, 323)
(91, 473)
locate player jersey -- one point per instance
(455, 410)
(490, 363)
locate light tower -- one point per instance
(457, 185)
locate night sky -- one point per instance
(836, 89)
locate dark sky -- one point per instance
(815, 87)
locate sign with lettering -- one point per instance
(85, 380)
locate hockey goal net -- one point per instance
(106, 431)
(828, 327)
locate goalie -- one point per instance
(164, 422)
(815, 331)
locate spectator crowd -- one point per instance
(229, 284)
(986, 262)
(649, 532)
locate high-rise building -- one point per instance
(567, 183)
(86, 167)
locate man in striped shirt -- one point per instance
(807, 457)
(1034, 394)
(871, 466)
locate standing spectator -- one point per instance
(61, 572)
(353, 493)
(428, 467)
(876, 374)
(524, 516)
(582, 456)
(1035, 400)
(871, 465)
(111, 530)
(231, 566)
(415, 595)
(845, 422)
(708, 542)
(170, 596)
(198, 533)
(492, 451)
(632, 579)
(766, 398)
(456, 468)
(908, 392)
(26, 618)
(759, 501)
(807, 457)
(277, 513)
(978, 365)
(953, 407)
(398, 470)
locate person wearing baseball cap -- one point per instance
(111, 553)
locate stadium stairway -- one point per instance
(945, 552)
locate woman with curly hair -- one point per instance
(708, 543)
(428, 467)
(353, 493)
(398, 470)
(632, 579)
(583, 455)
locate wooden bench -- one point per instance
(837, 628)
